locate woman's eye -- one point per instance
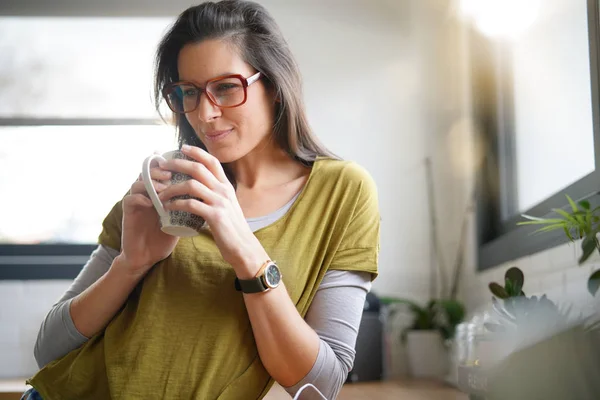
(190, 92)
(226, 88)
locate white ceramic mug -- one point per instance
(176, 223)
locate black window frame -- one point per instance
(60, 260)
(501, 240)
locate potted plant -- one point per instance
(519, 317)
(516, 322)
(427, 336)
(531, 337)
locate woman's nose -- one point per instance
(207, 111)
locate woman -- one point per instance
(157, 316)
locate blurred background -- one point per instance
(467, 113)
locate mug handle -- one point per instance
(149, 187)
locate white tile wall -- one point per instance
(23, 305)
(553, 272)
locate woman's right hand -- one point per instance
(143, 244)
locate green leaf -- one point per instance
(423, 317)
(594, 282)
(588, 245)
(498, 290)
(455, 310)
(532, 218)
(515, 275)
(552, 227)
(447, 332)
(584, 204)
(509, 287)
(579, 213)
(394, 300)
(568, 234)
(424, 321)
(572, 203)
(567, 216)
(541, 221)
(584, 219)
(432, 304)
(588, 222)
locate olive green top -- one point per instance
(184, 332)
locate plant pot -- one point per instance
(427, 354)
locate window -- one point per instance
(552, 103)
(536, 98)
(73, 177)
(76, 121)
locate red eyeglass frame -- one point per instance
(166, 91)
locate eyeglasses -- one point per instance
(224, 91)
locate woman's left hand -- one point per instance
(219, 207)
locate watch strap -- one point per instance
(250, 285)
(254, 285)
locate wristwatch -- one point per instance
(268, 277)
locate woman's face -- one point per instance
(228, 133)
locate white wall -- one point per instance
(362, 85)
(23, 305)
(384, 86)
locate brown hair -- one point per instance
(255, 33)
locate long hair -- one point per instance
(260, 43)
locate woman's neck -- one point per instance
(265, 167)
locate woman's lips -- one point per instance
(217, 135)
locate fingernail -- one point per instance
(186, 147)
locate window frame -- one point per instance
(500, 240)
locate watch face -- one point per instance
(272, 275)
